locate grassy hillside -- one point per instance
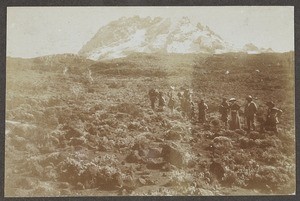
(89, 130)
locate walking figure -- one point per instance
(272, 117)
(153, 94)
(161, 101)
(260, 118)
(192, 111)
(234, 115)
(187, 98)
(202, 107)
(224, 109)
(250, 111)
(171, 95)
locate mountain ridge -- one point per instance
(125, 35)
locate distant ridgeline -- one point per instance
(154, 64)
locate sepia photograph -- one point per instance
(150, 101)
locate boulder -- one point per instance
(256, 135)
(173, 135)
(142, 181)
(153, 153)
(217, 169)
(71, 132)
(222, 143)
(205, 192)
(134, 157)
(155, 164)
(244, 142)
(173, 154)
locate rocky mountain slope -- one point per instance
(95, 134)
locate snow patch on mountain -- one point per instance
(160, 41)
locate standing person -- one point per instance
(260, 118)
(188, 108)
(224, 109)
(272, 117)
(187, 98)
(171, 95)
(202, 107)
(153, 97)
(161, 101)
(182, 103)
(192, 111)
(234, 115)
(180, 95)
(187, 94)
(183, 98)
(250, 111)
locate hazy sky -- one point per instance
(37, 31)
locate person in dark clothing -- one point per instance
(171, 102)
(272, 117)
(202, 107)
(224, 109)
(250, 111)
(186, 103)
(153, 95)
(260, 118)
(161, 101)
(234, 115)
(187, 107)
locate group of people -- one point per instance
(268, 123)
(187, 106)
(229, 110)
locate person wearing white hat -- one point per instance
(272, 117)
(234, 115)
(250, 111)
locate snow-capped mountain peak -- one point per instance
(135, 34)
